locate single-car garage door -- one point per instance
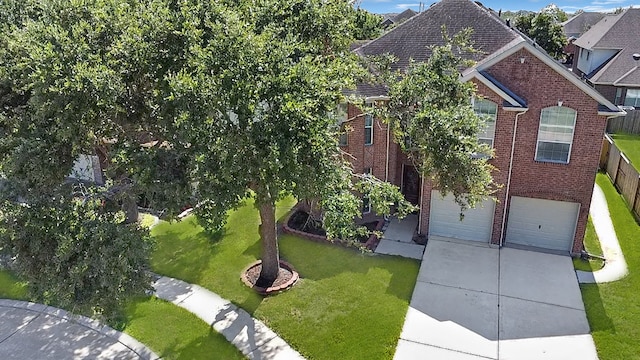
(541, 223)
(444, 219)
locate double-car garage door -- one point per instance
(532, 222)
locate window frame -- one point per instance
(368, 126)
(538, 140)
(488, 126)
(636, 93)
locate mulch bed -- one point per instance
(287, 277)
(298, 221)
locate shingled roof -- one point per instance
(580, 23)
(412, 39)
(620, 32)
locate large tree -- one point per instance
(431, 113)
(189, 102)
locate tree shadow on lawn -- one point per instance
(180, 255)
(596, 313)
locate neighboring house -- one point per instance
(579, 24)
(545, 124)
(605, 57)
(396, 19)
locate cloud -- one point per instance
(608, 2)
(597, 7)
(406, 6)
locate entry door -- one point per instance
(410, 184)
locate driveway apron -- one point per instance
(476, 302)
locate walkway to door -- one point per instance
(397, 238)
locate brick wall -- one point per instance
(370, 156)
(542, 87)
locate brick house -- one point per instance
(608, 57)
(546, 127)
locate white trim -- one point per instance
(371, 99)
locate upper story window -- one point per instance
(368, 129)
(632, 98)
(555, 134)
(488, 111)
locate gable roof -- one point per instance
(412, 39)
(580, 23)
(405, 15)
(620, 32)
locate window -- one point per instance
(366, 204)
(368, 129)
(555, 134)
(488, 111)
(632, 98)
(618, 96)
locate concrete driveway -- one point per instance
(475, 302)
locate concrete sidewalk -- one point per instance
(36, 331)
(253, 338)
(615, 267)
(398, 239)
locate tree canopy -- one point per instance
(432, 118)
(544, 28)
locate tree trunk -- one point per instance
(269, 239)
(130, 208)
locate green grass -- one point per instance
(170, 331)
(630, 146)
(175, 333)
(146, 220)
(613, 309)
(11, 288)
(347, 305)
(592, 245)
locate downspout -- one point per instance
(506, 197)
(386, 169)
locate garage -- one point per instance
(444, 219)
(542, 223)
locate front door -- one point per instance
(410, 184)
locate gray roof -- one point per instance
(580, 23)
(405, 15)
(620, 32)
(412, 39)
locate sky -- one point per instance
(570, 6)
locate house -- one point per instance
(580, 23)
(396, 19)
(608, 57)
(546, 128)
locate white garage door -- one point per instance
(444, 219)
(542, 223)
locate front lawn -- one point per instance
(347, 305)
(11, 288)
(613, 309)
(630, 146)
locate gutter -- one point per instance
(506, 197)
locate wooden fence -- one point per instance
(622, 173)
(629, 124)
